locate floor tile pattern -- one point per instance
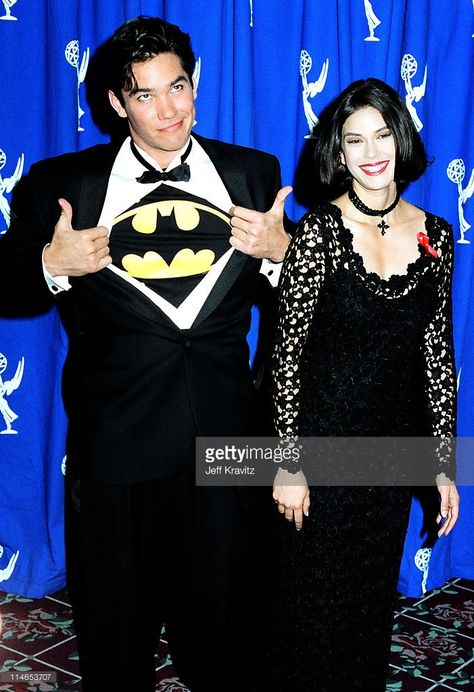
(432, 644)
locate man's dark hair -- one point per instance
(139, 40)
(411, 160)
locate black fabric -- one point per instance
(334, 591)
(190, 558)
(180, 173)
(356, 355)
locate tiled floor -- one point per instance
(432, 645)
(433, 641)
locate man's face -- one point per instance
(160, 110)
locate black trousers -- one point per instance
(167, 552)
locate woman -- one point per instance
(364, 349)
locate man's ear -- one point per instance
(116, 105)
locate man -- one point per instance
(156, 255)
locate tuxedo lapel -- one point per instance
(230, 274)
(230, 170)
(233, 176)
(104, 286)
(93, 180)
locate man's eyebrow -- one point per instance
(139, 90)
(148, 90)
(181, 78)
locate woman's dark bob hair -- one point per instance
(411, 160)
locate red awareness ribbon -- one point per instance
(424, 241)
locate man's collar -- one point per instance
(174, 162)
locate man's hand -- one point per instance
(291, 493)
(449, 504)
(261, 234)
(75, 253)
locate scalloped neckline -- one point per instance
(374, 276)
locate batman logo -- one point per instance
(153, 266)
(174, 239)
(186, 213)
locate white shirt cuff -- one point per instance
(56, 284)
(272, 271)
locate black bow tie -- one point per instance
(180, 173)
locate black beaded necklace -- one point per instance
(358, 203)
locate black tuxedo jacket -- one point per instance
(137, 389)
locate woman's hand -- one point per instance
(449, 504)
(291, 493)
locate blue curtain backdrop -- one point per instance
(267, 68)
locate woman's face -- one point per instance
(368, 149)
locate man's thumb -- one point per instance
(65, 220)
(279, 203)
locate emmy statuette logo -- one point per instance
(7, 185)
(7, 571)
(422, 562)
(372, 20)
(456, 172)
(197, 73)
(311, 89)
(71, 54)
(7, 387)
(8, 4)
(196, 77)
(408, 70)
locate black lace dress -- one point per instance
(356, 355)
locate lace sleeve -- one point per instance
(440, 382)
(302, 276)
